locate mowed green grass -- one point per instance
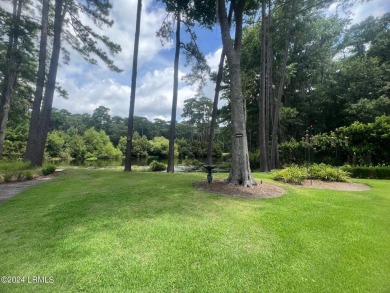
(111, 231)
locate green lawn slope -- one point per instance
(111, 231)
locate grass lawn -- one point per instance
(111, 231)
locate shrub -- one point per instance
(296, 175)
(28, 175)
(326, 173)
(157, 166)
(254, 159)
(48, 170)
(8, 176)
(293, 174)
(368, 172)
(19, 176)
(191, 162)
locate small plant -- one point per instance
(48, 170)
(28, 175)
(191, 162)
(293, 174)
(8, 176)
(20, 176)
(157, 166)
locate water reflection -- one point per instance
(135, 161)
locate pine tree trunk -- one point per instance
(213, 121)
(130, 125)
(44, 119)
(262, 97)
(240, 172)
(216, 98)
(40, 84)
(172, 129)
(11, 76)
(4, 83)
(278, 102)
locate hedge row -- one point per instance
(368, 172)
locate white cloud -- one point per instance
(360, 11)
(153, 96)
(375, 8)
(213, 59)
(123, 30)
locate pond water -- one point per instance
(134, 161)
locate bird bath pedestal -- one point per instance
(209, 168)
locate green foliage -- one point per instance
(191, 162)
(160, 147)
(367, 142)
(365, 110)
(8, 176)
(370, 142)
(296, 174)
(13, 166)
(77, 148)
(196, 149)
(293, 174)
(15, 141)
(28, 175)
(254, 159)
(368, 172)
(292, 152)
(56, 143)
(157, 166)
(15, 170)
(326, 173)
(48, 170)
(98, 145)
(141, 145)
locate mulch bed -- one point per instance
(261, 190)
(344, 186)
(267, 190)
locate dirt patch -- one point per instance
(261, 190)
(345, 186)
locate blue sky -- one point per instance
(92, 86)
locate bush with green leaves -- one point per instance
(254, 159)
(48, 170)
(56, 143)
(297, 174)
(157, 166)
(379, 172)
(292, 152)
(28, 175)
(8, 176)
(191, 162)
(293, 174)
(98, 145)
(160, 147)
(141, 145)
(326, 173)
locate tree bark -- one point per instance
(130, 125)
(262, 97)
(172, 129)
(11, 76)
(278, 102)
(240, 172)
(214, 113)
(40, 84)
(44, 119)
